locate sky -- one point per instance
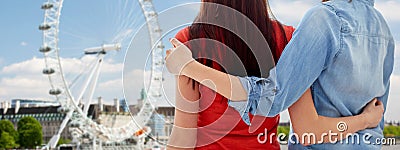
(92, 23)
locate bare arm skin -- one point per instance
(184, 132)
(305, 120)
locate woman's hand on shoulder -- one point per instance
(178, 57)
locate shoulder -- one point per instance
(322, 20)
(183, 35)
(323, 11)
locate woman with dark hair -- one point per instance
(203, 118)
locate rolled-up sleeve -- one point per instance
(312, 48)
(255, 88)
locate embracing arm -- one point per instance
(184, 132)
(218, 81)
(306, 121)
(180, 62)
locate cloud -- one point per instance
(137, 79)
(389, 9)
(69, 65)
(396, 70)
(290, 12)
(394, 99)
(24, 44)
(134, 81)
(25, 79)
(24, 87)
(32, 66)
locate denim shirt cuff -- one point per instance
(257, 97)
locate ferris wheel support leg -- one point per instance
(94, 142)
(93, 86)
(100, 145)
(54, 140)
(83, 90)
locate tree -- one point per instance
(8, 135)
(285, 131)
(391, 131)
(29, 132)
(63, 141)
(7, 141)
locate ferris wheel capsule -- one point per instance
(47, 6)
(152, 14)
(161, 46)
(158, 30)
(48, 71)
(44, 27)
(55, 92)
(63, 110)
(45, 49)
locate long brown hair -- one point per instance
(258, 12)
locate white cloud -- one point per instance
(134, 81)
(25, 79)
(290, 12)
(389, 9)
(394, 99)
(137, 79)
(70, 65)
(24, 43)
(25, 87)
(396, 70)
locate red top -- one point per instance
(220, 127)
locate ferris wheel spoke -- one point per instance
(93, 86)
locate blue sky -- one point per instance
(91, 22)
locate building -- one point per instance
(392, 123)
(124, 105)
(143, 97)
(33, 103)
(49, 116)
(116, 115)
(161, 123)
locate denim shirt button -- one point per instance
(345, 29)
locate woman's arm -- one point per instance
(307, 123)
(184, 132)
(216, 80)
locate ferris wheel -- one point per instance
(74, 105)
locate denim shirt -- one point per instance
(344, 51)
